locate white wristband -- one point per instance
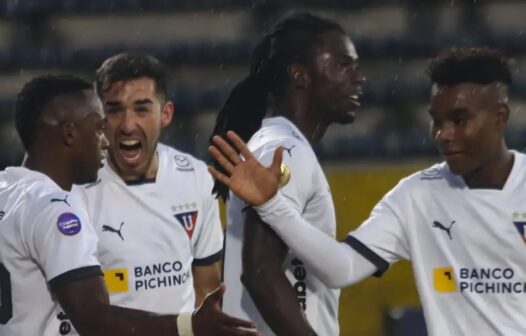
(184, 324)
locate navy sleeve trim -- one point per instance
(74, 275)
(381, 264)
(208, 260)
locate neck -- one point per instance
(493, 173)
(301, 112)
(53, 166)
(149, 172)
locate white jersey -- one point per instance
(46, 241)
(467, 247)
(152, 232)
(308, 192)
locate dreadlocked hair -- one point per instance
(291, 42)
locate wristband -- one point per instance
(184, 324)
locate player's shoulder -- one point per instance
(520, 160)
(179, 161)
(31, 185)
(39, 193)
(281, 133)
(434, 176)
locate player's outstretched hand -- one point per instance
(247, 178)
(208, 320)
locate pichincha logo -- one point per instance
(444, 280)
(116, 280)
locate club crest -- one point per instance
(521, 227)
(188, 221)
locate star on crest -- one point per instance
(184, 206)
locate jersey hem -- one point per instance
(381, 264)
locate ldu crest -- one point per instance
(521, 228)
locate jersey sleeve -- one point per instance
(62, 241)
(382, 238)
(298, 160)
(208, 244)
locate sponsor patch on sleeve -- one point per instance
(68, 224)
(116, 280)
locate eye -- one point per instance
(435, 122)
(113, 110)
(460, 122)
(141, 108)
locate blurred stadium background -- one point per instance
(207, 43)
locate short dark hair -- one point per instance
(127, 66)
(292, 41)
(34, 98)
(469, 65)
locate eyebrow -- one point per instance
(459, 110)
(350, 58)
(143, 101)
(112, 103)
(137, 102)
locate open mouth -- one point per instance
(130, 150)
(355, 99)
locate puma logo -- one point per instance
(65, 200)
(110, 229)
(441, 226)
(289, 150)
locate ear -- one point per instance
(69, 133)
(167, 113)
(299, 76)
(503, 115)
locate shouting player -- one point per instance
(160, 237)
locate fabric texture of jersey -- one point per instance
(46, 241)
(467, 247)
(151, 232)
(308, 192)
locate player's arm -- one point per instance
(62, 241)
(86, 303)
(206, 279)
(265, 281)
(207, 239)
(336, 263)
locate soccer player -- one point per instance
(50, 279)
(160, 236)
(461, 222)
(308, 67)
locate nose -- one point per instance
(127, 123)
(104, 143)
(444, 133)
(359, 78)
